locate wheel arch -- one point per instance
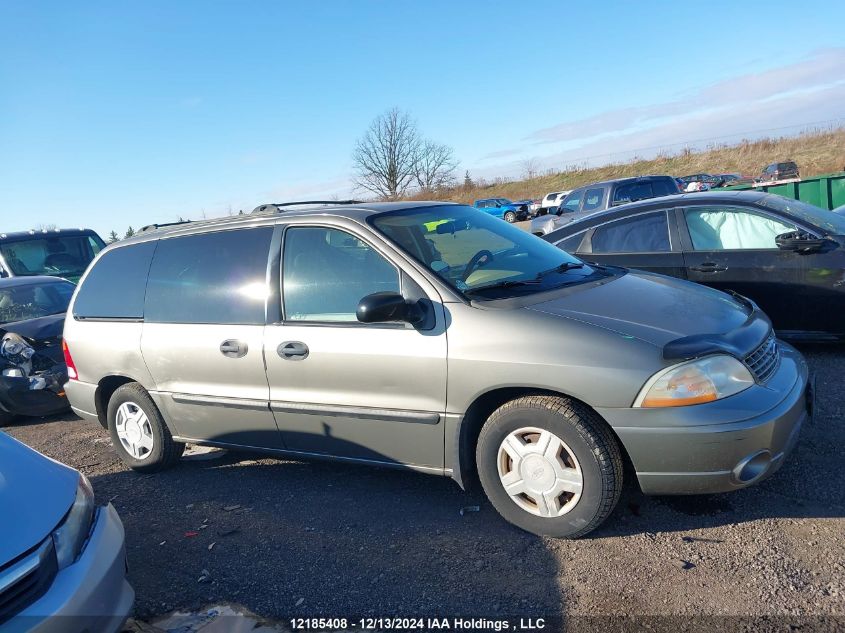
(465, 469)
(105, 388)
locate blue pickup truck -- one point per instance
(503, 208)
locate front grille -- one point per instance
(764, 361)
(26, 579)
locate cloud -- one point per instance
(825, 67)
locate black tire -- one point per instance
(588, 437)
(510, 217)
(165, 451)
(6, 417)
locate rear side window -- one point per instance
(646, 233)
(593, 199)
(114, 288)
(664, 187)
(632, 192)
(210, 278)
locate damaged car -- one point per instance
(32, 367)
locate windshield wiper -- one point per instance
(559, 269)
(506, 283)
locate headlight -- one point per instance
(695, 382)
(69, 537)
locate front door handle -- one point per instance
(708, 267)
(292, 350)
(233, 348)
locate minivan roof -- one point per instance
(359, 211)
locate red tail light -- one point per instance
(71, 368)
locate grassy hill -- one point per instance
(816, 152)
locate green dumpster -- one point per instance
(826, 191)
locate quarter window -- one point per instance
(326, 272)
(114, 287)
(216, 277)
(646, 233)
(730, 228)
(571, 243)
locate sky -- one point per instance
(128, 113)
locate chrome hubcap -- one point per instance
(540, 472)
(134, 430)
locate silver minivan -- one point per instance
(434, 337)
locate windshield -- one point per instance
(481, 256)
(56, 255)
(29, 301)
(832, 223)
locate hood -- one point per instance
(35, 494)
(652, 308)
(46, 327)
(44, 335)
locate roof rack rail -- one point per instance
(276, 207)
(153, 227)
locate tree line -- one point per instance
(392, 158)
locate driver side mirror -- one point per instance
(384, 307)
(800, 242)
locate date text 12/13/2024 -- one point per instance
(418, 624)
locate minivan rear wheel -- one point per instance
(550, 465)
(138, 432)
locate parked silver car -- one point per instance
(435, 337)
(62, 558)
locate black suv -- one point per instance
(780, 171)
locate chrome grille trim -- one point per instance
(27, 579)
(764, 361)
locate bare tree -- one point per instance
(530, 168)
(385, 158)
(435, 166)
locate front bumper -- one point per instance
(92, 594)
(18, 399)
(720, 446)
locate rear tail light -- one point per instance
(71, 368)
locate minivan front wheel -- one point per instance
(510, 217)
(138, 432)
(550, 465)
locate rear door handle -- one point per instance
(233, 348)
(292, 350)
(708, 267)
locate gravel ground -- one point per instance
(286, 538)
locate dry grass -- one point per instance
(816, 152)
